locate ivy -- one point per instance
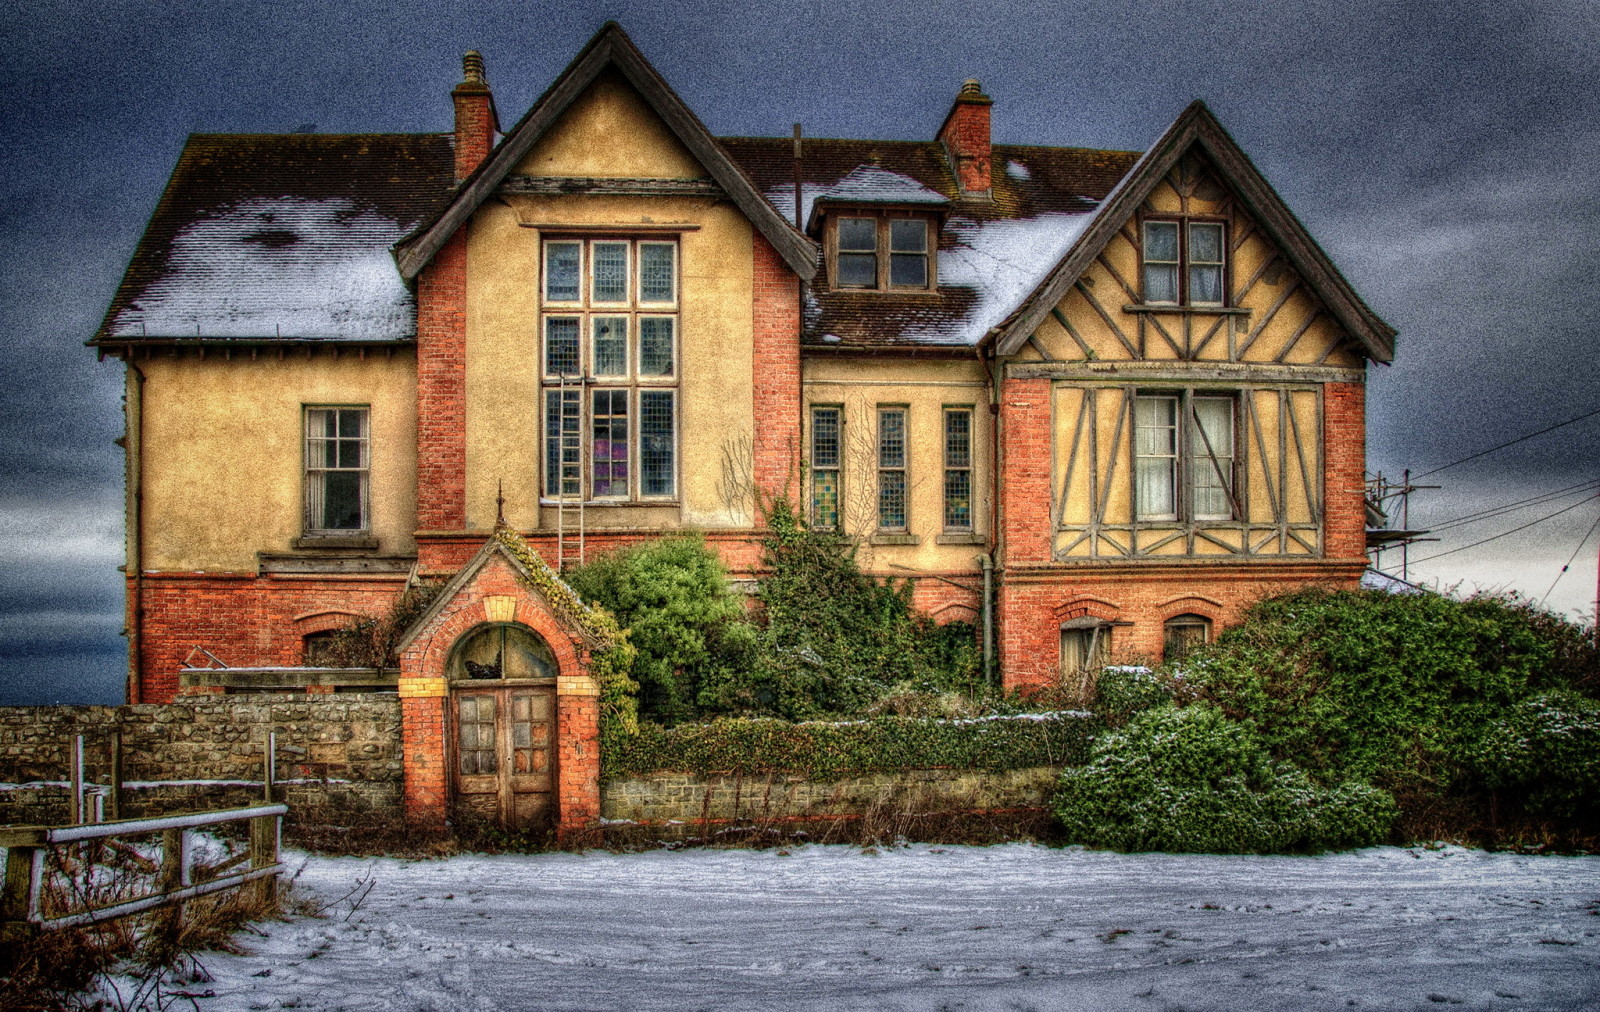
(829, 750)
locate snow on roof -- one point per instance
(1000, 262)
(266, 267)
(865, 184)
(1016, 170)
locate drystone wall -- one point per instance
(338, 757)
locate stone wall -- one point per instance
(665, 798)
(338, 756)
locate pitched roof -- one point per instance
(282, 236)
(1197, 127)
(610, 48)
(991, 253)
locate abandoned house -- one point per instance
(1095, 402)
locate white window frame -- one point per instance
(587, 380)
(315, 472)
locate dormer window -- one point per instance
(1184, 263)
(883, 252)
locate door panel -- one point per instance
(504, 766)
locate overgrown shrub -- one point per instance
(827, 750)
(1546, 750)
(371, 642)
(1190, 780)
(688, 627)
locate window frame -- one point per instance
(883, 251)
(816, 467)
(1191, 449)
(314, 483)
(1187, 620)
(557, 434)
(950, 468)
(1185, 264)
(886, 468)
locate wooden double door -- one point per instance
(504, 739)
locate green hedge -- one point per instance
(831, 750)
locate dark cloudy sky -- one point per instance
(1444, 154)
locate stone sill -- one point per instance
(961, 539)
(895, 539)
(363, 541)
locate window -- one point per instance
(891, 469)
(609, 360)
(337, 462)
(1085, 647)
(882, 252)
(827, 424)
(958, 469)
(1182, 633)
(1184, 262)
(1184, 471)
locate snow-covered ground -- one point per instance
(931, 927)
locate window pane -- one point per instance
(561, 346)
(958, 498)
(958, 439)
(563, 450)
(891, 499)
(341, 500)
(1215, 415)
(1154, 481)
(910, 269)
(891, 439)
(350, 423)
(561, 271)
(609, 444)
(1161, 283)
(657, 271)
(858, 269)
(1161, 242)
(858, 234)
(825, 498)
(655, 345)
(1205, 285)
(1211, 458)
(610, 271)
(1205, 243)
(825, 437)
(1155, 425)
(610, 345)
(908, 235)
(655, 442)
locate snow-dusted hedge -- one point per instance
(823, 750)
(1190, 780)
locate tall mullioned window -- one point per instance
(610, 366)
(891, 469)
(827, 431)
(958, 469)
(338, 460)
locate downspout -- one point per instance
(135, 476)
(987, 561)
(991, 375)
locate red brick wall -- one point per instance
(244, 619)
(776, 336)
(1344, 433)
(441, 389)
(966, 137)
(474, 127)
(578, 765)
(1026, 463)
(1034, 602)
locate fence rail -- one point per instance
(27, 847)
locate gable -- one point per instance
(610, 132)
(1270, 313)
(1196, 133)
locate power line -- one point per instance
(1494, 511)
(1502, 446)
(1513, 530)
(1581, 542)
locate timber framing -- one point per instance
(610, 48)
(1196, 126)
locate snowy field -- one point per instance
(930, 927)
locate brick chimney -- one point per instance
(476, 122)
(965, 136)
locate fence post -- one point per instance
(75, 763)
(270, 773)
(116, 775)
(174, 873)
(17, 897)
(264, 831)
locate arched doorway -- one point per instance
(502, 680)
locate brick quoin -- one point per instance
(1025, 519)
(442, 390)
(1344, 420)
(775, 323)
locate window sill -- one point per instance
(961, 539)
(365, 541)
(1152, 307)
(894, 539)
(590, 504)
(844, 290)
